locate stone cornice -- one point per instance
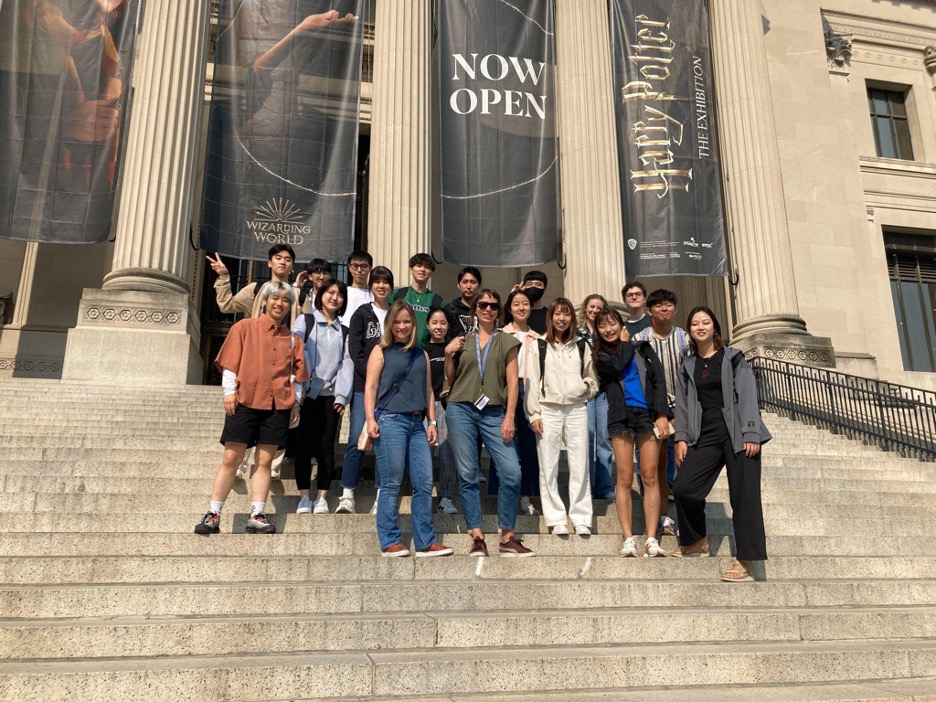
(885, 31)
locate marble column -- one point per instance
(767, 311)
(398, 220)
(141, 326)
(593, 241)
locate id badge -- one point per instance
(482, 401)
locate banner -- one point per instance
(671, 190)
(283, 129)
(64, 79)
(497, 142)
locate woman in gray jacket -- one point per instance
(718, 423)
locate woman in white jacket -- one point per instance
(560, 380)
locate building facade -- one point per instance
(827, 117)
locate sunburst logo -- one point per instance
(279, 210)
(279, 221)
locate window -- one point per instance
(889, 123)
(911, 266)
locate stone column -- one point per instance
(141, 327)
(593, 240)
(765, 299)
(398, 221)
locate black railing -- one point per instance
(893, 417)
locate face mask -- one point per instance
(535, 294)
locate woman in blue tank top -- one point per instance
(397, 396)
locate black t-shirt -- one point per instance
(537, 320)
(436, 354)
(708, 383)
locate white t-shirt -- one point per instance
(356, 298)
(381, 315)
(521, 359)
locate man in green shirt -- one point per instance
(418, 294)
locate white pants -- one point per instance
(569, 424)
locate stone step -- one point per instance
(478, 671)
(591, 564)
(202, 636)
(363, 543)
(229, 599)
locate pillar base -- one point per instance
(134, 337)
(798, 348)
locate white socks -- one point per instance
(216, 507)
(347, 492)
(257, 508)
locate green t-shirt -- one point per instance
(467, 385)
(422, 305)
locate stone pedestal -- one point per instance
(142, 328)
(767, 311)
(134, 337)
(593, 241)
(398, 219)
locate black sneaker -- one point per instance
(209, 524)
(259, 524)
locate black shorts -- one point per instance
(256, 426)
(637, 421)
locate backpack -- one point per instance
(310, 325)
(541, 343)
(437, 301)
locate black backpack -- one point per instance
(541, 343)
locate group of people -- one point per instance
(521, 378)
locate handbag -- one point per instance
(365, 443)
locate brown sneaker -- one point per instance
(478, 548)
(698, 550)
(395, 551)
(436, 549)
(514, 548)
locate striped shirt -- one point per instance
(672, 351)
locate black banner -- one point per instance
(498, 145)
(671, 191)
(283, 128)
(64, 78)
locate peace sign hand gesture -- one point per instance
(217, 265)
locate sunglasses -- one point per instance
(489, 306)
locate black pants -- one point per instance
(316, 436)
(698, 474)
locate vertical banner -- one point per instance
(283, 128)
(64, 79)
(497, 140)
(671, 191)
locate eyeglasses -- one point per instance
(358, 266)
(489, 306)
(633, 296)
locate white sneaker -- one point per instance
(652, 549)
(275, 473)
(447, 507)
(630, 547)
(305, 506)
(240, 474)
(582, 530)
(560, 530)
(345, 505)
(321, 506)
(373, 509)
(527, 508)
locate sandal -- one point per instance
(699, 550)
(738, 573)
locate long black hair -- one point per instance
(602, 346)
(716, 337)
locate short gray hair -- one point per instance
(274, 287)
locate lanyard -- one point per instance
(482, 360)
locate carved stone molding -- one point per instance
(810, 356)
(124, 316)
(863, 27)
(29, 367)
(838, 50)
(929, 60)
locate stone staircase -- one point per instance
(106, 594)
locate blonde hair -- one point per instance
(581, 310)
(388, 340)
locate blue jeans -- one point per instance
(600, 455)
(525, 443)
(354, 459)
(403, 442)
(465, 424)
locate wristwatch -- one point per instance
(433, 423)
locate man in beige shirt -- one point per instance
(248, 300)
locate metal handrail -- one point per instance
(893, 417)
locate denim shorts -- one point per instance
(637, 421)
